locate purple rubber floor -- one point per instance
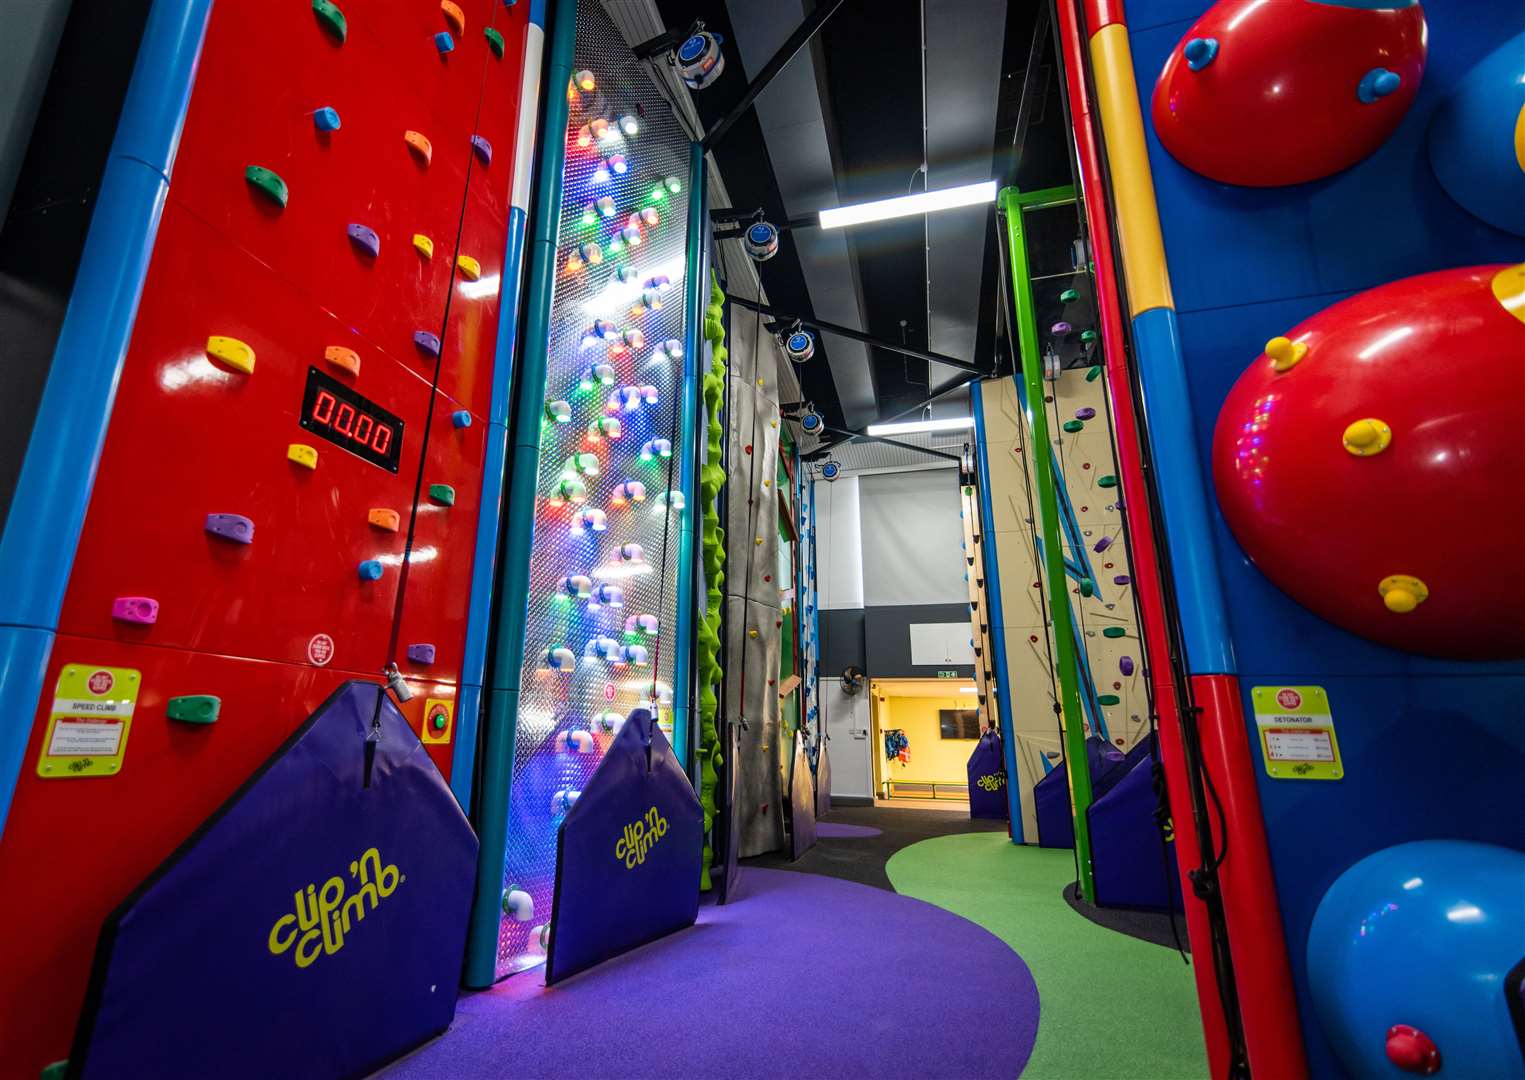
(802, 976)
(840, 831)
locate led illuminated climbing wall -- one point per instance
(602, 582)
(292, 471)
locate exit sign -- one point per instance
(947, 674)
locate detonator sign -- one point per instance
(1296, 729)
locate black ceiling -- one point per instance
(868, 70)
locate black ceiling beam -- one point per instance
(858, 335)
(797, 41)
(853, 436)
(843, 436)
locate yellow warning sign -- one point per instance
(89, 722)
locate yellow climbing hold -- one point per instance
(232, 352)
(423, 245)
(1509, 287)
(470, 269)
(1367, 437)
(1402, 593)
(1285, 353)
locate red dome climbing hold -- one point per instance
(1371, 477)
(1265, 94)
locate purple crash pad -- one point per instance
(1132, 867)
(1051, 795)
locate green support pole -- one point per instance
(524, 462)
(1013, 204)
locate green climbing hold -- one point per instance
(1087, 587)
(1088, 335)
(56, 1071)
(1073, 425)
(443, 494)
(494, 42)
(332, 18)
(268, 182)
(1093, 373)
(1069, 296)
(1108, 699)
(1114, 632)
(1106, 481)
(194, 708)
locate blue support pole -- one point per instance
(509, 629)
(696, 288)
(996, 614)
(58, 473)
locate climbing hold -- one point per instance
(1086, 413)
(453, 15)
(1114, 632)
(1121, 579)
(1061, 328)
(585, 81)
(470, 269)
(1367, 437)
(1377, 84)
(1088, 336)
(444, 42)
(326, 118)
(1072, 425)
(1069, 296)
(232, 352)
(331, 18)
(423, 245)
(560, 658)
(483, 149)
(426, 342)
(559, 411)
(442, 494)
(1107, 481)
(193, 708)
(382, 518)
(143, 610)
(420, 145)
(1125, 664)
(370, 570)
(1402, 593)
(1102, 544)
(303, 455)
(1412, 1050)
(461, 418)
(421, 653)
(1199, 52)
(1285, 353)
(365, 238)
(342, 358)
(268, 182)
(1107, 699)
(234, 527)
(1087, 586)
(494, 41)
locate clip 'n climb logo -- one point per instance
(324, 916)
(638, 838)
(992, 781)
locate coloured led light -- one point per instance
(629, 125)
(926, 202)
(585, 81)
(559, 411)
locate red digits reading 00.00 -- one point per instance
(346, 420)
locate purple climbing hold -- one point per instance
(365, 237)
(426, 342)
(1121, 579)
(1125, 665)
(1061, 328)
(483, 149)
(234, 527)
(1086, 413)
(1102, 544)
(422, 653)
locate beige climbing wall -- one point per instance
(1084, 458)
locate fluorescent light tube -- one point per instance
(905, 205)
(911, 427)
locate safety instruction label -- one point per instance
(1297, 740)
(89, 721)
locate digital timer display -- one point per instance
(351, 420)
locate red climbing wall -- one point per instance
(271, 626)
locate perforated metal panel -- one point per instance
(615, 355)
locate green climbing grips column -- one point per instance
(268, 182)
(711, 480)
(331, 18)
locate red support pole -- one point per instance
(1143, 556)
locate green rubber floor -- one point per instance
(1111, 1006)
